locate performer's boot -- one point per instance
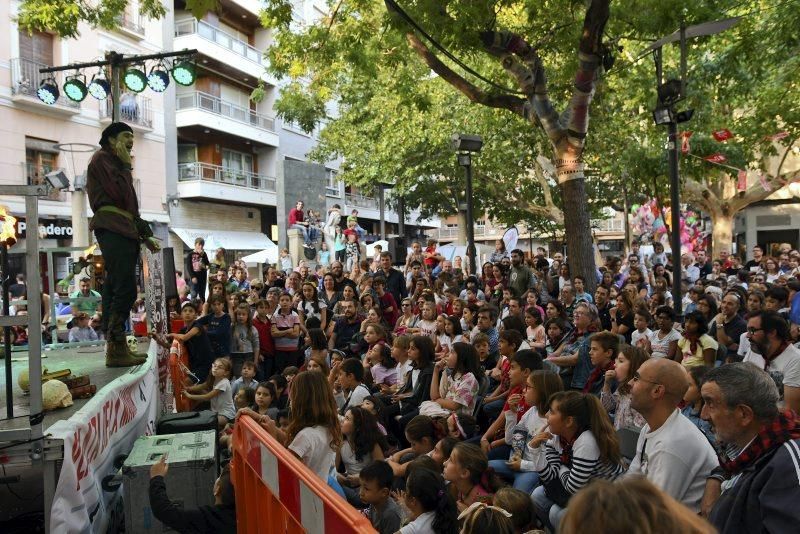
(117, 352)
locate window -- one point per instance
(36, 47)
(236, 162)
(332, 187)
(187, 153)
(38, 164)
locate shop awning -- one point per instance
(229, 240)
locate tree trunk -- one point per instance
(578, 233)
(721, 232)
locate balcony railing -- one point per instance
(132, 109)
(131, 22)
(220, 37)
(25, 80)
(609, 225)
(213, 104)
(35, 175)
(195, 171)
(361, 201)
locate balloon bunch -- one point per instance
(648, 225)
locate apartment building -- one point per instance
(36, 138)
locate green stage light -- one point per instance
(75, 88)
(135, 80)
(48, 91)
(99, 87)
(183, 73)
(158, 80)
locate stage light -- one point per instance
(662, 116)
(75, 88)
(158, 80)
(48, 91)
(135, 80)
(99, 87)
(183, 73)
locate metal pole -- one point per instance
(674, 185)
(114, 62)
(401, 216)
(34, 286)
(470, 228)
(382, 209)
(626, 214)
(7, 331)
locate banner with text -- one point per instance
(156, 291)
(94, 436)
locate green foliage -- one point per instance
(65, 16)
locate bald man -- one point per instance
(671, 452)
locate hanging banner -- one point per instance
(716, 158)
(764, 182)
(685, 147)
(94, 436)
(722, 135)
(741, 184)
(155, 285)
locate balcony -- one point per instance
(361, 201)
(136, 110)
(35, 175)
(130, 24)
(613, 225)
(205, 180)
(202, 109)
(222, 51)
(25, 80)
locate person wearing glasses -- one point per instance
(671, 452)
(771, 350)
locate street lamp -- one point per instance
(465, 145)
(671, 92)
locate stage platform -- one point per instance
(88, 360)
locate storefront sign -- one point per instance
(48, 228)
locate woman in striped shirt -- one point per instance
(581, 445)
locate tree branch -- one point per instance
(530, 76)
(476, 95)
(700, 195)
(576, 117)
(756, 192)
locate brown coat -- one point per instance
(110, 183)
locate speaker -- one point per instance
(398, 249)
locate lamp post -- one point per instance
(465, 146)
(671, 92)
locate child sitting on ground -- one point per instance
(247, 380)
(363, 443)
(471, 479)
(383, 512)
(217, 390)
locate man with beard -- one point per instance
(603, 306)
(671, 452)
(119, 230)
(395, 282)
(771, 351)
(339, 279)
(757, 486)
(342, 331)
(520, 277)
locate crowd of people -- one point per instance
(438, 400)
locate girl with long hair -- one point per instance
(622, 316)
(471, 479)
(521, 466)
(431, 508)
(363, 443)
(456, 391)
(310, 306)
(314, 433)
(580, 445)
(244, 339)
(217, 390)
(627, 364)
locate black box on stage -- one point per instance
(179, 423)
(398, 249)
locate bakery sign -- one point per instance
(48, 228)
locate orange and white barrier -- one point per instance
(277, 494)
(178, 367)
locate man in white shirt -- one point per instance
(671, 452)
(771, 350)
(689, 272)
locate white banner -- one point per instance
(103, 429)
(158, 319)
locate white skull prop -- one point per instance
(55, 394)
(133, 345)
